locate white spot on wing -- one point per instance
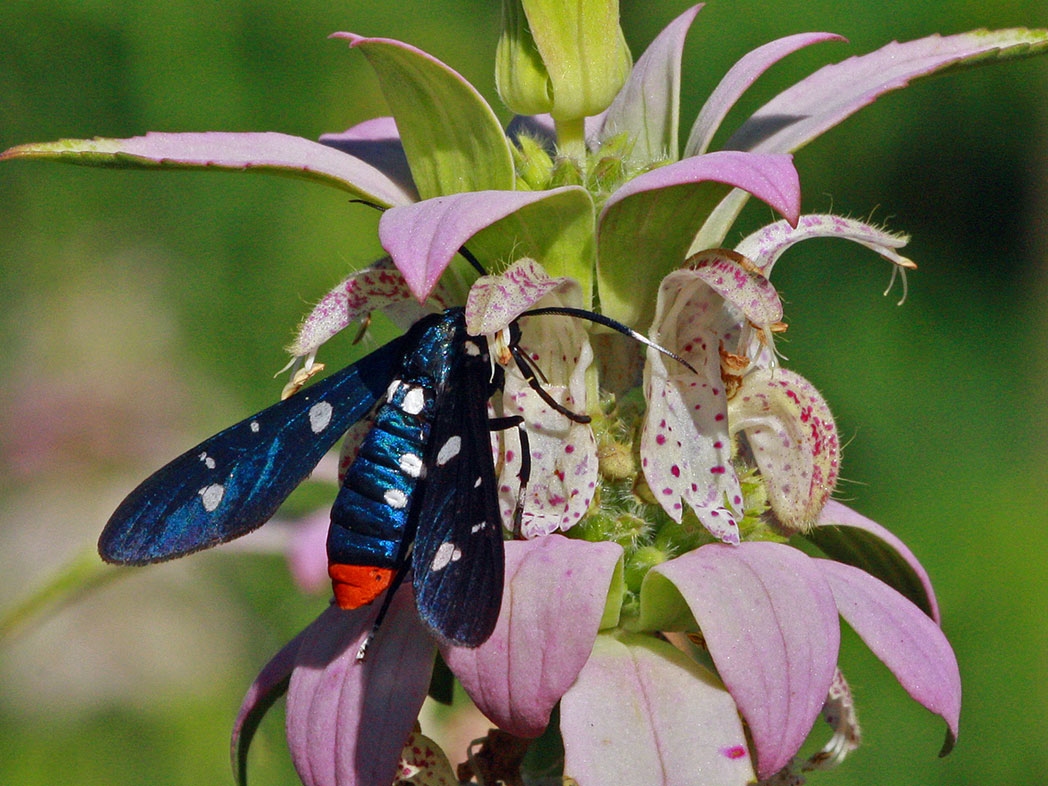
(411, 465)
(477, 482)
(395, 498)
(449, 450)
(446, 554)
(392, 389)
(208, 461)
(478, 527)
(211, 496)
(320, 416)
(471, 348)
(414, 401)
(254, 426)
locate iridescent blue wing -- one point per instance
(458, 556)
(233, 482)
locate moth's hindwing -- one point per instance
(233, 482)
(458, 557)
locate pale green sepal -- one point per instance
(520, 76)
(584, 52)
(662, 607)
(558, 231)
(452, 139)
(613, 606)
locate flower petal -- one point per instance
(452, 139)
(270, 684)
(767, 244)
(544, 225)
(641, 711)
(685, 447)
(647, 109)
(423, 763)
(496, 300)
(564, 464)
(851, 538)
(374, 288)
(905, 639)
(376, 142)
(770, 623)
(647, 226)
(819, 102)
(543, 637)
(794, 441)
(263, 152)
(738, 79)
(347, 719)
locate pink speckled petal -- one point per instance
(422, 238)
(552, 606)
(750, 292)
(269, 685)
(905, 639)
(770, 622)
(767, 244)
(794, 441)
(647, 108)
(423, 763)
(849, 537)
(347, 719)
(738, 79)
(496, 300)
(685, 449)
(642, 712)
(374, 288)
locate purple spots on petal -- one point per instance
(668, 492)
(675, 471)
(734, 752)
(660, 439)
(719, 416)
(718, 470)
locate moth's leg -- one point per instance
(516, 421)
(394, 585)
(529, 371)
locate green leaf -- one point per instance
(451, 137)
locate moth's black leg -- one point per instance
(394, 585)
(528, 371)
(516, 421)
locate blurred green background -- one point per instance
(145, 310)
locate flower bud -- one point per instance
(566, 59)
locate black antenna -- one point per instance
(608, 322)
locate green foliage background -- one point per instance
(144, 310)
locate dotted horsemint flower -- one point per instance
(655, 595)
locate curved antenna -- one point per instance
(608, 322)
